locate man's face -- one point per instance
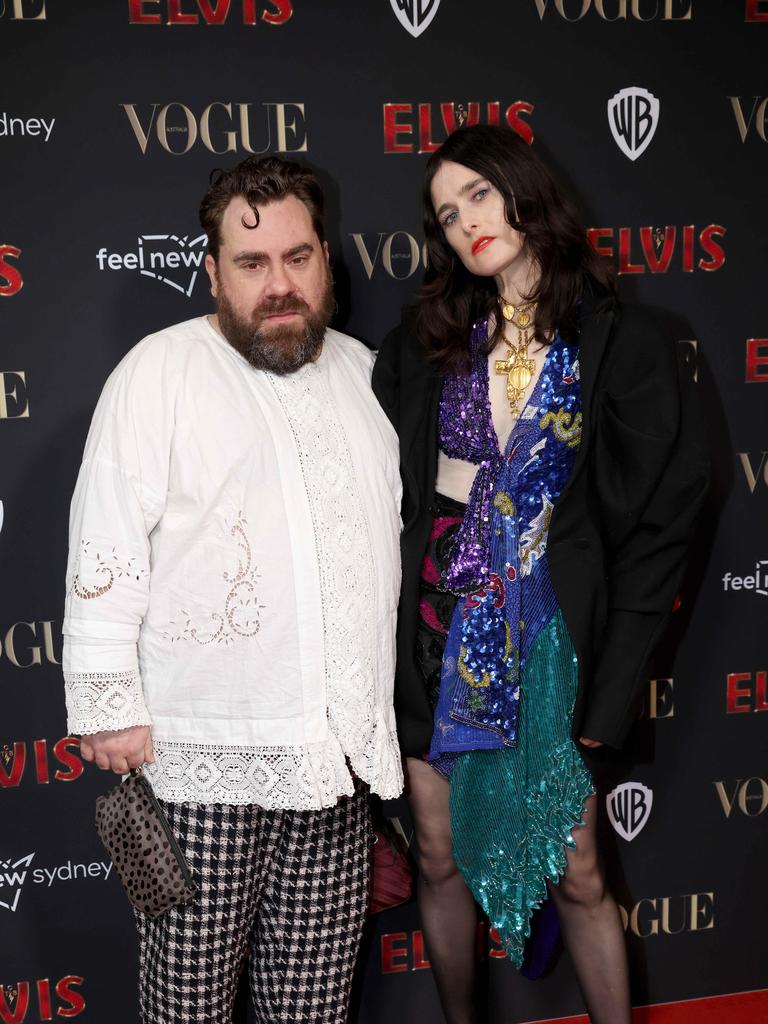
(272, 284)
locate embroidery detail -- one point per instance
(533, 541)
(347, 570)
(239, 616)
(292, 778)
(565, 427)
(97, 701)
(110, 568)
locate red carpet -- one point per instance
(738, 1008)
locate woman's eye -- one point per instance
(481, 193)
(450, 219)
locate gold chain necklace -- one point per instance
(517, 366)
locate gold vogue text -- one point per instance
(670, 915)
(221, 127)
(619, 10)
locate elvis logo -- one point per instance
(18, 1000)
(209, 12)
(633, 117)
(629, 807)
(171, 259)
(11, 281)
(15, 760)
(423, 127)
(415, 15)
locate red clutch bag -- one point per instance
(391, 869)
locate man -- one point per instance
(232, 587)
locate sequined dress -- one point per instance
(508, 671)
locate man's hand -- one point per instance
(590, 743)
(119, 751)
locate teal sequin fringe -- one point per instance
(513, 810)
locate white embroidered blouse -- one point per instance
(234, 572)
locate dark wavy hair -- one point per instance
(451, 298)
(259, 181)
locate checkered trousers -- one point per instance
(282, 894)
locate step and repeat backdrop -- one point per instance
(655, 114)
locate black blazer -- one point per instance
(619, 530)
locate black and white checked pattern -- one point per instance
(282, 894)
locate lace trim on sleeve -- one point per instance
(98, 701)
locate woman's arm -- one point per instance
(650, 474)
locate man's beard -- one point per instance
(282, 349)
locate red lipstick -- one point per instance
(481, 243)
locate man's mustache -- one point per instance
(286, 304)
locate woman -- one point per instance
(552, 473)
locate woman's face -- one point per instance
(471, 212)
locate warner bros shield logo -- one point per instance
(415, 15)
(629, 807)
(633, 117)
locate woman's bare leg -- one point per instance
(446, 905)
(592, 928)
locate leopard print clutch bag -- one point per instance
(146, 855)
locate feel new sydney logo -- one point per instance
(173, 260)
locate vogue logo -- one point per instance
(749, 795)
(658, 246)
(15, 761)
(11, 281)
(23, 10)
(399, 253)
(670, 915)
(619, 10)
(13, 395)
(415, 15)
(17, 1000)
(24, 647)
(629, 807)
(755, 469)
(633, 117)
(208, 12)
(742, 693)
(221, 127)
(757, 116)
(403, 120)
(171, 259)
(660, 699)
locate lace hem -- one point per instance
(375, 756)
(101, 701)
(289, 778)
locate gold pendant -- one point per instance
(507, 310)
(520, 375)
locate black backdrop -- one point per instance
(111, 120)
